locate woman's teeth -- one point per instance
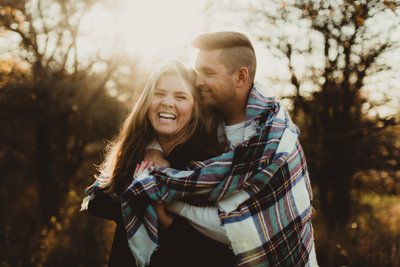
(166, 116)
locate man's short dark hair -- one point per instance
(237, 50)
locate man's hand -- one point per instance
(165, 219)
(156, 156)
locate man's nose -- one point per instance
(199, 81)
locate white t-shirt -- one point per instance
(234, 134)
(205, 219)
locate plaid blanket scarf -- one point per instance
(261, 187)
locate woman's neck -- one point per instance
(168, 144)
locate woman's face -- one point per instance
(171, 107)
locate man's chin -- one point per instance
(212, 105)
(208, 101)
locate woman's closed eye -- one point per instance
(159, 94)
(181, 97)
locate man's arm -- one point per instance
(204, 218)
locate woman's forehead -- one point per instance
(174, 82)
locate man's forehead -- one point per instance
(214, 53)
(208, 59)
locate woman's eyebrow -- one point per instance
(181, 93)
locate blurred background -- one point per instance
(71, 69)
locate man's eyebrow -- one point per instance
(204, 69)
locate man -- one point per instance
(261, 185)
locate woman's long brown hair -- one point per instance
(128, 147)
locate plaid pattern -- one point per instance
(261, 187)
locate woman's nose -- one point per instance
(167, 101)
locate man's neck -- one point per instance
(235, 114)
(237, 111)
(237, 118)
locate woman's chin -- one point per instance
(166, 133)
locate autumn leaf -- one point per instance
(391, 4)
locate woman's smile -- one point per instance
(167, 116)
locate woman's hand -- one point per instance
(164, 218)
(156, 156)
(144, 166)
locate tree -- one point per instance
(48, 32)
(351, 52)
(53, 105)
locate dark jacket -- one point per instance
(181, 244)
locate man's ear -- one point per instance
(242, 76)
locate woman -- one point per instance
(169, 112)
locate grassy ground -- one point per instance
(372, 238)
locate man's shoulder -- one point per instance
(263, 90)
(260, 103)
(260, 96)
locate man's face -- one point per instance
(213, 80)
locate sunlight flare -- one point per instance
(151, 29)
